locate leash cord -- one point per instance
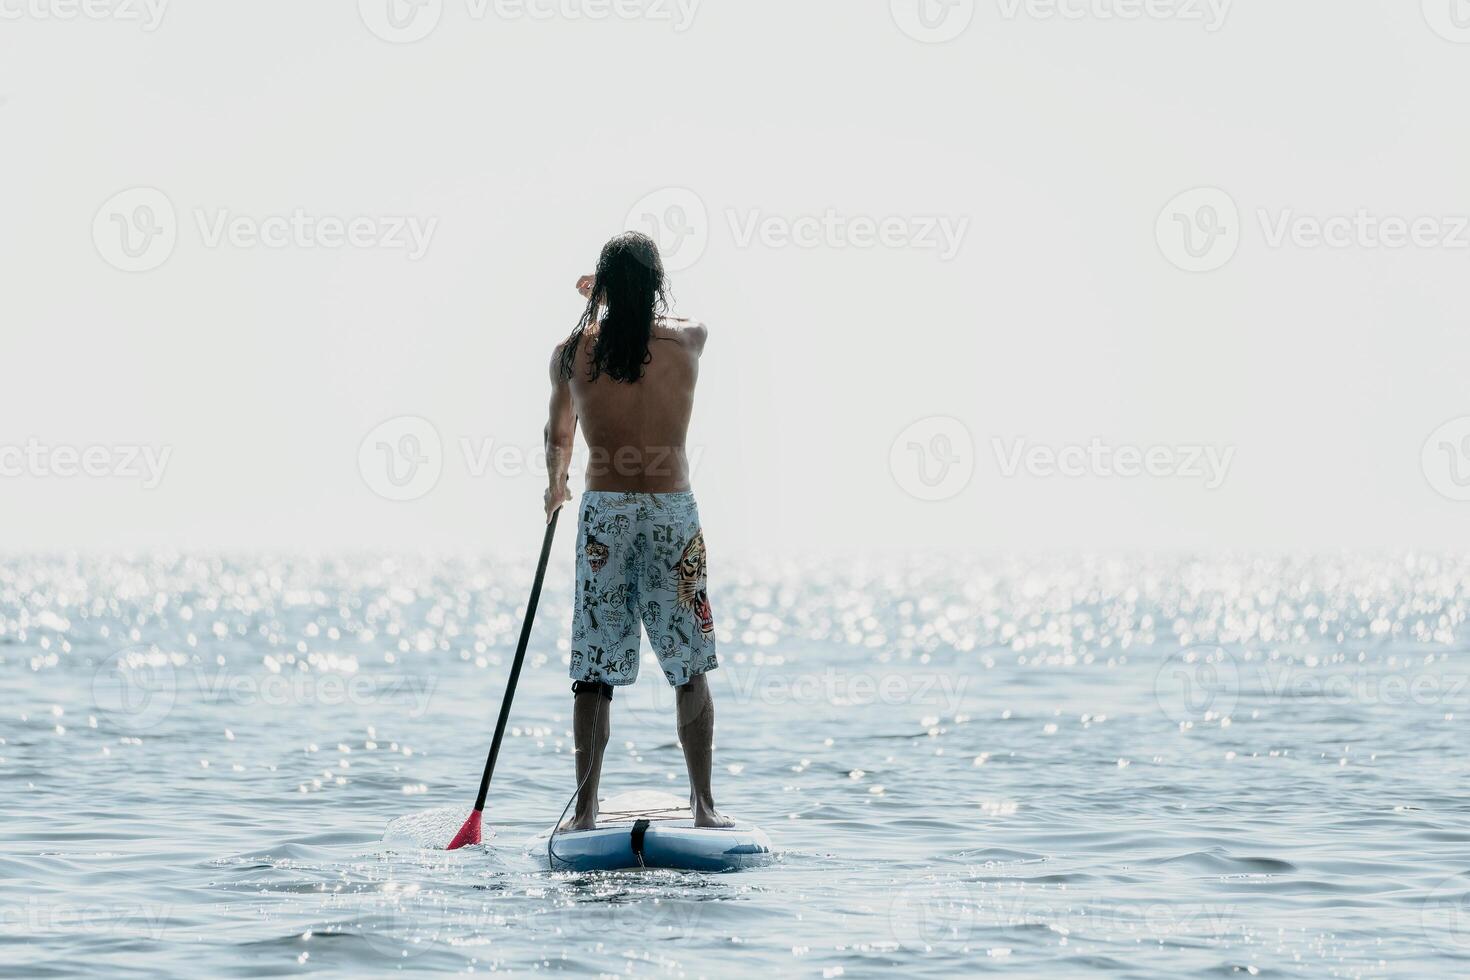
(551, 857)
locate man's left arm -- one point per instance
(561, 431)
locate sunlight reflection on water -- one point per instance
(1045, 767)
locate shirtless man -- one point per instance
(627, 373)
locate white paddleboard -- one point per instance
(650, 829)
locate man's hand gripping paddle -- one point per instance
(470, 832)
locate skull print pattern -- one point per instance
(641, 566)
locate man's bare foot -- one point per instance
(578, 821)
(705, 815)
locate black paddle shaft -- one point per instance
(515, 668)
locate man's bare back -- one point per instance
(636, 431)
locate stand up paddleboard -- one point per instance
(649, 829)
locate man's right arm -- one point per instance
(561, 432)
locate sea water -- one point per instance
(1054, 767)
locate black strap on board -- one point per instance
(640, 827)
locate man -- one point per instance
(627, 373)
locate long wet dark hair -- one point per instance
(630, 283)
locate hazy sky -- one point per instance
(988, 253)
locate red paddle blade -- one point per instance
(468, 834)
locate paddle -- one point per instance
(470, 832)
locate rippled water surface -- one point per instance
(1057, 767)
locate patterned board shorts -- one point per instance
(640, 559)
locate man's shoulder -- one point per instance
(559, 358)
(691, 333)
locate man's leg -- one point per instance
(697, 735)
(591, 724)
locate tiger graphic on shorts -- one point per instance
(693, 592)
(597, 554)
